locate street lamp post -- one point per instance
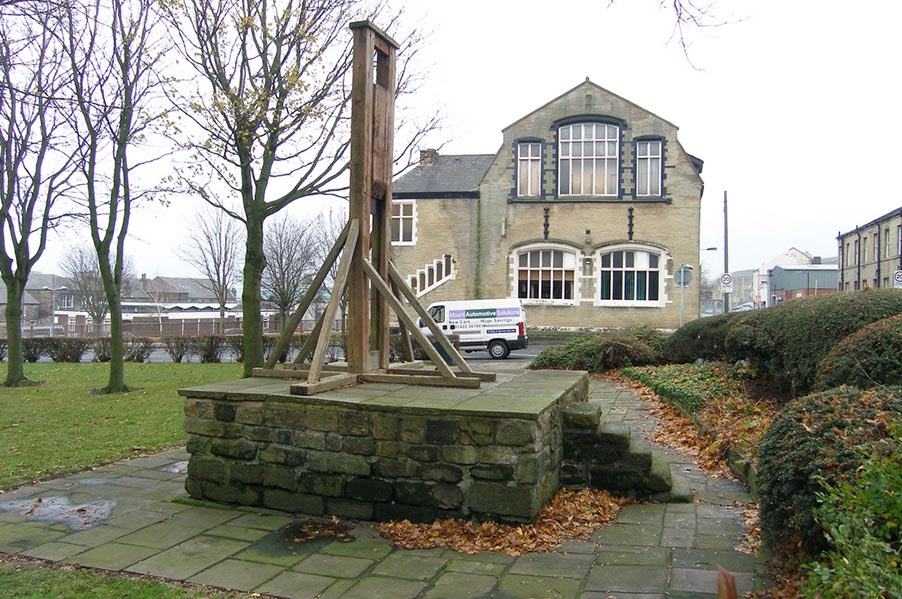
(684, 276)
(53, 293)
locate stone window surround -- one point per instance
(401, 217)
(518, 145)
(662, 149)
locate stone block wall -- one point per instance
(329, 458)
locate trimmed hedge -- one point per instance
(871, 356)
(787, 342)
(66, 349)
(701, 339)
(817, 439)
(597, 353)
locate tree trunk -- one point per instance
(221, 327)
(15, 368)
(116, 382)
(250, 294)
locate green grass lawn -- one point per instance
(61, 426)
(29, 581)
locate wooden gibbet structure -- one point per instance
(365, 268)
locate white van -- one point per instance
(495, 325)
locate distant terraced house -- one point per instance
(585, 213)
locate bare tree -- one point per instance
(111, 57)
(214, 250)
(35, 162)
(291, 252)
(270, 119)
(328, 228)
(85, 282)
(690, 15)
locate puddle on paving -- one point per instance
(61, 510)
(92, 481)
(177, 468)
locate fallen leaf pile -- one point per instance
(751, 541)
(571, 514)
(307, 530)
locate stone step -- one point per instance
(608, 454)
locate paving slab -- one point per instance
(652, 552)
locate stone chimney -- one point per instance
(428, 156)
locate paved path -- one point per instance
(135, 517)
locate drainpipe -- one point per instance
(842, 261)
(858, 260)
(877, 250)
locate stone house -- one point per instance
(584, 213)
(870, 254)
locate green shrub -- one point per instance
(33, 348)
(653, 338)
(862, 519)
(701, 339)
(179, 348)
(66, 349)
(102, 349)
(235, 344)
(787, 342)
(597, 353)
(208, 348)
(871, 356)
(817, 439)
(137, 349)
(269, 344)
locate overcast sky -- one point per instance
(792, 106)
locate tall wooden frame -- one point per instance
(365, 269)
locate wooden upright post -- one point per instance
(365, 268)
(372, 132)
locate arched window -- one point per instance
(546, 274)
(630, 276)
(588, 159)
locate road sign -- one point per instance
(897, 279)
(683, 276)
(726, 283)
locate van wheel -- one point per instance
(498, 350)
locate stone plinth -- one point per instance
(382, 451)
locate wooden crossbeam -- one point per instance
(427, 381)
(433, 328)
(312, 290)
(338, 286)
(382, 287)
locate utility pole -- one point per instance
(726, 252)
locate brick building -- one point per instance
(585, 212)
(870, 254)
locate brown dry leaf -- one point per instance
(571, 514)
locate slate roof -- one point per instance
(452, 176)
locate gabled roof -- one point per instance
(38, 280)
(588, 84)
(437, 176)
(27, 298)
